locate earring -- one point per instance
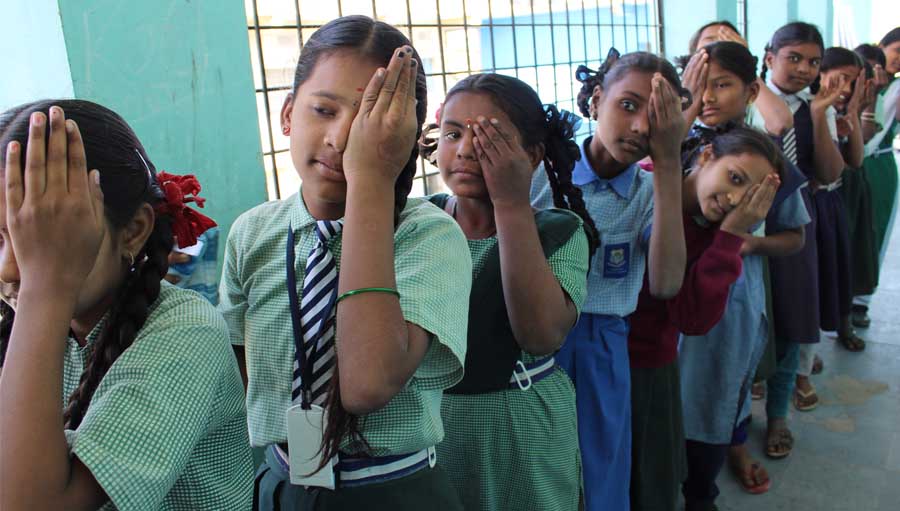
(130, 260)
(286, 130)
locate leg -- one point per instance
(779, 441)
(704, 464)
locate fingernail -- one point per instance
(401, 53)
(37, 119)
(96, 176)
(414, 63)
(481, 118)
(494, 121)
(70, 126)
(13, 147)
(380, 73)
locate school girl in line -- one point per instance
(839, 65)
(717, 368)
(347, 301)
(881, 124)
(777, 118)
(856, 192)
(791, 70)
(636, 101)
(119, 390)
(511, 436)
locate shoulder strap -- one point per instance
(439, 199)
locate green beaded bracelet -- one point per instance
(368, 290)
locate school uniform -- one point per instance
(166, 427)
(856, 192)
(880, 167)
(595, 353)
(658, 448)
(514, 445)
(433, 271)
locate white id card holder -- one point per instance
(304, 429)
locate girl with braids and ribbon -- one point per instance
(347, 300)
(152, 413)
(637, 103)
(511, 439)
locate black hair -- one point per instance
(695, 39)
(871, 52)
(791, 34)
(378, 41)
(538, 124)
(128, 180)
(614, 68)
(735, 58)
(890, 38)
(747, 140)
(837, 56)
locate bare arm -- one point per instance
(378, 351)
(779, 244)
(828, 159)
(539, 320)
(55, 248)
(775, 112)
(667, 253)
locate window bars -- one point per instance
(539, 41)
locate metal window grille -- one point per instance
(539, 41)
(742, 16)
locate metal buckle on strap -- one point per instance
(515, 376)
(524, 376)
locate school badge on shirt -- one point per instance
(615, 260)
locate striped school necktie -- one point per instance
(317, 316)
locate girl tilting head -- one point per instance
(494, 133)
(347, 295)
(83, 256)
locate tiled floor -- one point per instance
(847, 452)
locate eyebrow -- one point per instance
(724, 76)
(453, 123)
(633, 94)
(330, 95)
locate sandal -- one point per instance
(805, 400)
(860, 317)
(852, 342)
(749, 474)
(758, 391)
(818, 365)
(779, 442)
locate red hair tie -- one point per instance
(187, 223)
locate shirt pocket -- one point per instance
(615, 253)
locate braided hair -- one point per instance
(378, 41)
(128, 181)
(538, 124)
(792, 34)
(614, 68)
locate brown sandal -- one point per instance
(852, 342)
(779, 442)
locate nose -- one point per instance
(465, 150)
(337, 133)
(640, 123)
(9, 269)
(709, 96)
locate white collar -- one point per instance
(804, 95)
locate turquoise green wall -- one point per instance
(179, 72)
(681, 18)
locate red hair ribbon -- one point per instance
(187, 223)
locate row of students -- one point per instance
(353, 309)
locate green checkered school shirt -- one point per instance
(166, 427)
(433, 274)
